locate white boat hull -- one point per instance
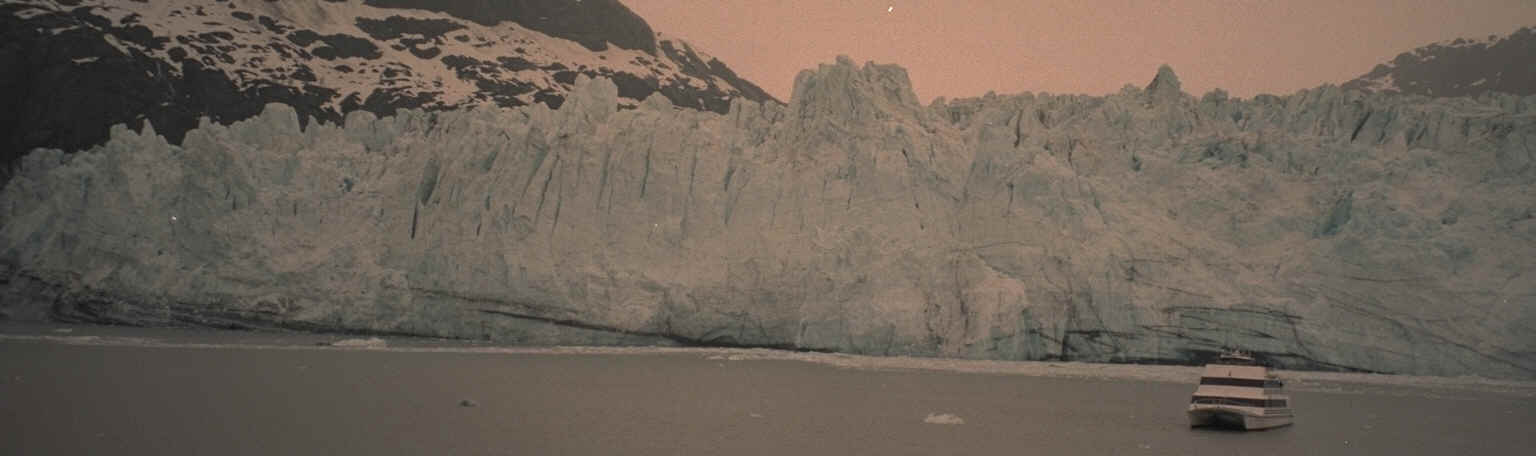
(1237, 418)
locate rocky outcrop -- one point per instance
(1165, 87)
(1328, 229)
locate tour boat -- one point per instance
(1238, 393)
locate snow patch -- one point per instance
(31, 13)
(1386, 83)
(124, 48)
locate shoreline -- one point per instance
(1311, 381)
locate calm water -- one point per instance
(69, 399)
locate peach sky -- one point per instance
(959, 48)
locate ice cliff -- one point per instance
(1327, 229)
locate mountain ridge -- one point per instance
(1458, 67)
(593, 23)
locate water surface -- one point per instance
(62, 398)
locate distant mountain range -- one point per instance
(1460, 67)
(70, 69)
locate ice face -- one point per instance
(1326, 229)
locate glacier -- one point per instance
(1327, 229)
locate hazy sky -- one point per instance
(959, 48)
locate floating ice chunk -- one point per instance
(943, 418)
(371, 342)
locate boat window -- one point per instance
(1239, 401)
(1225, 381)
(1243, 402)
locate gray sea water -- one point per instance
(61, 398)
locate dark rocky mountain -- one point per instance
(69, 69)
(1460, 67)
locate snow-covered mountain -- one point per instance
(71, 68)
(1460, 67)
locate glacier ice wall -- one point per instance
(1327, 229)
